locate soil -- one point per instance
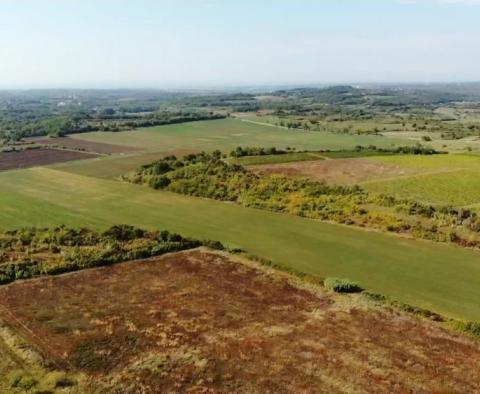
(88, 146)
(38, 157)
(337, 171)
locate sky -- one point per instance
(229, 43)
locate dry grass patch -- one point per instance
(338, 171)
(206, 322)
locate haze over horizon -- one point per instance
(209, 43)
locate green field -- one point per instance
(442, 179)
(434, 276)
(109, 166)
(431, 163)
(227, 134)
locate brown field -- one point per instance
(338, 171)
(206, 322)
(88, 146)
(38, 157)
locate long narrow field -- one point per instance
(229, 133)
(115, 166)
(75, 143)
(434, 276)
(207, 322)
(38, 157)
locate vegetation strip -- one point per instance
(29, 253)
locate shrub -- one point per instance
(213, 245)
(123, 232)
(21, 380)
(340, 285)
(470, 327)
(58, 379)
(71, 250)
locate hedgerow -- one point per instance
(32, 252)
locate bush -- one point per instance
(213, 245)
(21, 380)
(124, 233)
(57, 379)
(340, 285)
(472, 328)
(71, 250)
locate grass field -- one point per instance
(458, 188)
(115, 166)
(229, 133)
(445, 179)
(434, 276)
(434, 162)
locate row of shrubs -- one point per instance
(417, 149)
(34, 252)
(254, 151)
(400, 150)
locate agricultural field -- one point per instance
(434, 276)
(437, 129)
(205, 321)
(442, 179)
(458, 188)
(338, 171)
(227, 134)
(76, 144)
(38, 157)
(350, 187)
(116, 165)
(430, 179)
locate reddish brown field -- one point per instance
(338, 171)
(203, 322)
(95, 147)
(38, 157)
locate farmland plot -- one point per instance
(203, 321)
(38, 157)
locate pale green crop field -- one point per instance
(438, 163)
(227, 134)
(439, 277)
(111, 166)
(443, 179)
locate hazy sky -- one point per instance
(196, 43)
